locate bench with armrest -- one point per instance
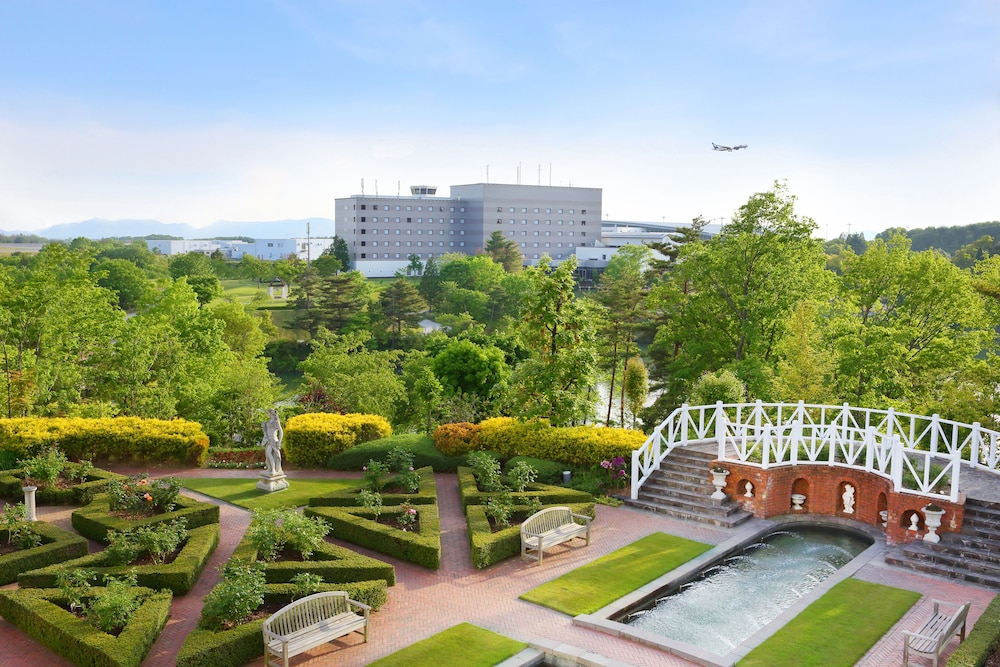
(932, 637)
(310, 622)
(552, 526)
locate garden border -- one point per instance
(12, 483)
(61, 545)
(548, 494)
(334, 563)
(358, 526)
(489, 548)
(426, 494)
(95, 520)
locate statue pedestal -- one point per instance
(270, 482)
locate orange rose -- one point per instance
(148, 497)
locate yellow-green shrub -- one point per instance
(579, 445)
(107, 439)
(455, 439)
(312, 438)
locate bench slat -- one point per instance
(310, 622)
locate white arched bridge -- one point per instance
(918, 454)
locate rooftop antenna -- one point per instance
(539, 173)
(487, 174)
(362, 186)
(518, 173)
(397, 187)
(376, 187)
(550, 174)
(308, 247)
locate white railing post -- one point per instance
(977, 438)
(720, 429)
(765, 442)
(935, 418)
(956, 467)
(897, 464)
(869, 448)
(635, 474)
(684, 423)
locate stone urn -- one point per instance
(932, 517)
(797, 500)
(719, 476)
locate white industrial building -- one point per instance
(268, 249)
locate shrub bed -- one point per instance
(455, 439)
(580, 445)
(37, 613)
(982, 641)
(12, 481)
(244, 643)
(311, 439)
(426, 494)
(179, 576)
(359, 526)
(421, 446)
(57, 546)
(549, 472)
(95, 520)
(489, 547)
(470, 494)
(107, 439)
(334, 563)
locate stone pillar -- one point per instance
(29, 503)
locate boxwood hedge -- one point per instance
(546, 493)
(57, 546)
(12, 481)
(982, 641)
(178, 576)
(334, 563)
(426, 494)
(358, 526)
(95, 520)
(489, 547)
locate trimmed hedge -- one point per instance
(11, 482)
(311, 439)
(421, 446)
(35, 612)
(489, 547)
(178, 576)
(95, 520)
(455, 439)
(334, 563)
(107, 439)
(245, 643)
(426, 494)
(982, 640)
(358, 526)
(580, 445)
(549, 472)
(57, 546)
(470, 494)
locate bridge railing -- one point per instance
(919, 454)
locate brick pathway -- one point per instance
(424, 602)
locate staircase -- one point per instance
(682, 488)
(972, 555)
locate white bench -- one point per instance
(309, 622)
(935, 633)
(552, 526)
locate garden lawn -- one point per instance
(590, 587)
(838, 629)
(462, 645)
(243, 491)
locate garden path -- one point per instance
(424, 602)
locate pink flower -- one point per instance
(413, 511)
(364, 468)
(606, 465)
(148, 497)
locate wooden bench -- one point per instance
(552, 526)
(309, 622)
(935, 633)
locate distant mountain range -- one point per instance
(98, 228)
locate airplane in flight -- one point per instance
(728, 149)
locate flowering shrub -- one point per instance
(141, 495)
(272, 531)
(399, 459)
(19, 532)
(375, 475)
(74, 584)
(455, 439)
(409, 480)
(236, 458)
(158, 541)
(239, 593)
(372, 501)
(486, 469)
(112, 607)
(521, 475)
(407, 515)
(45, 468)
(306, 583)
(616, 471)
(499, 507)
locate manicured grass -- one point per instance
(422, 447)
(590, 587)
(462, 645)
(243, 491)
(838, 629)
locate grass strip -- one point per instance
(594, 585)
(243, 491)
(838, 629)
(462, 645)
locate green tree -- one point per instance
(635, 387)
(190, 264)
(341, 252)
(723, 386)
(806, 367)
(327, 264)
(241, 328)
(504, 252)
(465, 367)
(206, 287)
(401, 307)
(430, 283)
(125, 279)
(338, 302)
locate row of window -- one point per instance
(397, 255)
(430, 232)
(386, 207)
(547, 222)
(419, 220)
(548, 210)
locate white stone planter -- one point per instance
(29, 502)
(797, 500)
(719, 480)
(884, 515)
(933, 520)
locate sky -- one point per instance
(876, 114)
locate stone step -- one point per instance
(955, 552)
(944, 570)
(726, 521)
(674, 494)
(680, 484)
(700, 473)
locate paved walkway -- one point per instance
(424, 602)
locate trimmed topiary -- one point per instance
(470, 494)
(425, 454)
(178, 576)
(334, 563)
(489, 547)
(58, 545)
(37, 613)
(359, 526)
(12, 481)
(95, 520)
(244, 643)
(426, 494)
(312, 438)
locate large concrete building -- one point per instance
(382, 231)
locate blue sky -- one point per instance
(877, 114)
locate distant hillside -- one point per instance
(948, 239)
(97, 228)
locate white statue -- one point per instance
(749, 488)
(848, 499)
(271, 442)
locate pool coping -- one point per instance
(600, 620)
